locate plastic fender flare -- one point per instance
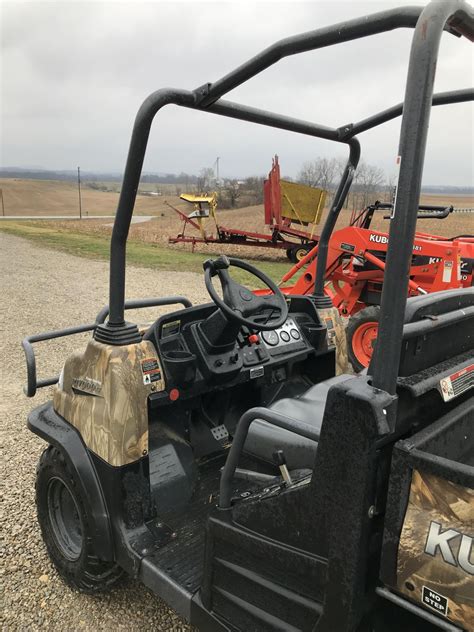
(51, 427)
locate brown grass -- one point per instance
(57, 197)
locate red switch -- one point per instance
(253, 339)
(174, 394)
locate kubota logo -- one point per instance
(379, 239)
(439, 540)
(383, 239)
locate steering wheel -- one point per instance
(239, 303)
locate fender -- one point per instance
(51, 427)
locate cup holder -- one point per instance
(180, 366)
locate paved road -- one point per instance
(43, 290)
(136, 219)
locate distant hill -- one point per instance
(93, 176)
(166, 178)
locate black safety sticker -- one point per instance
(151, 371)
(435, 601)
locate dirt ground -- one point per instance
(44, 290)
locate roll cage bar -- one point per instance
(454, 16)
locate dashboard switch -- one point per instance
(253, 339)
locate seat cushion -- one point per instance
(264, 439)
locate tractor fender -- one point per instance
(51, 427)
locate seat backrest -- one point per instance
(438, 327)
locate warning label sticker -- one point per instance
(457, 383)
(151, 371)
(447, 271)
(435, 601)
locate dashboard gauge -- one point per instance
(271, 338)
(285, 336)
(295, 334)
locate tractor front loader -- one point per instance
(355, 270)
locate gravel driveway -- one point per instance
(42, 290)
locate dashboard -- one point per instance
(193, 366)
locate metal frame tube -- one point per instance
(442, 98)
(203, 97)
(414, 132)
(329, 224)
(381, 22)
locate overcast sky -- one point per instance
(75, 73)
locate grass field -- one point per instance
(155, 256)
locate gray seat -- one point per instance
(263, 438)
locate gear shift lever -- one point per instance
(280, 460)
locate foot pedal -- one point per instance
(220, 433)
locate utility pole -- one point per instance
(79, 190)
(216, 171)
(3, 204)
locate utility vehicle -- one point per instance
(218, 458)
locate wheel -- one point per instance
(64, 527)
(361, 335)
(289, 254)
(298, 252)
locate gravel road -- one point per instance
(42, 290)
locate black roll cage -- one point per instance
(455, 16)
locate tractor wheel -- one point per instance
(361, 335)
(66, 533)
(289, 254)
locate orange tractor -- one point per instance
(355, 272)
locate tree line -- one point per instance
(369, 184)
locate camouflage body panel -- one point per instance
(435, 551)
(103, 393)
(336, 336)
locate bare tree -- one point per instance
(205, 179)
(319, 173)
(233, 192)
(368, 182)
(254, 188)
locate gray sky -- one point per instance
(75, 73)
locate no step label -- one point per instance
(435, 601)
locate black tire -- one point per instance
(289, 254)
(298, 252)
(65, 529)
(363, 319)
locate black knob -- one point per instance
(279, 457)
